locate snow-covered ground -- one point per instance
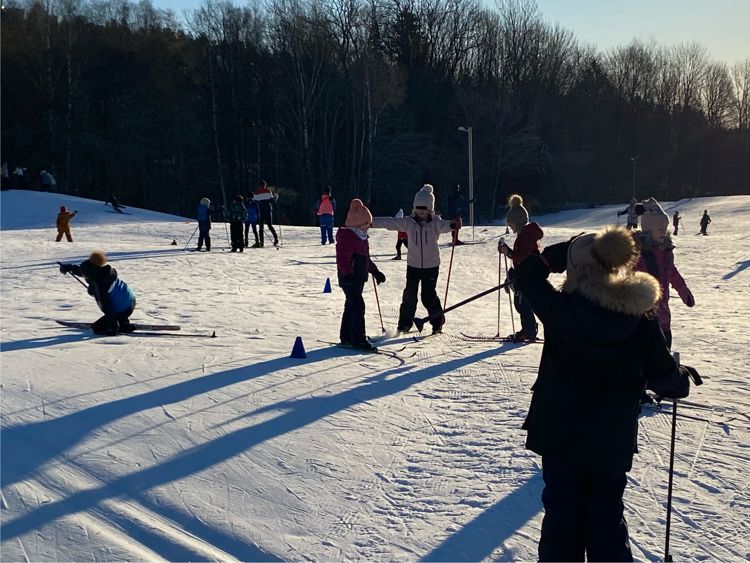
(192, 448)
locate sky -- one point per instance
(182, 447)
(720, 25)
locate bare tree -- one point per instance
(740, 77)
(717, 94)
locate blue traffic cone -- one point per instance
(298, 350)
(327, 286)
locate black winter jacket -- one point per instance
(595, 365)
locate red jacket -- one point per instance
(353, 257)
(527, 242)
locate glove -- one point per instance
(503, 248)
(692, 373)
(66, 268)
(687, 298)
(379, 277)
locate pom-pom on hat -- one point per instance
(425, 198)
(98, 258)
(517, 214)
(653, 216)
(359, 217)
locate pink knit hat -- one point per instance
(359, 216)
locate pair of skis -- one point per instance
(499, 339)
(140, 329)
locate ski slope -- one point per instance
(192, 448)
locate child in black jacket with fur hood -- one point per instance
(602, 347)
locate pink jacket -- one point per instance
(658, 261)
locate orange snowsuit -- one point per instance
(63, 225)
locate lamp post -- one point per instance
(634, 159)
(471, 179)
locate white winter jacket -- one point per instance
(423, 251)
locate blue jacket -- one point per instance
(111, 293)
(252, 210)
(204, 213)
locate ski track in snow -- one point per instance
(138, 448)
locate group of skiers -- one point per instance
(635, 210)
(583, 414)
(256, 211)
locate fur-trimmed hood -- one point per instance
(600, 267)
(631, 294)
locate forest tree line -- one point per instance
(366, 96)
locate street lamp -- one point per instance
(634, 159)
(471, 179)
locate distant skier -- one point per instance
(114, 297)
(236, 214)
(204, 224)
(527, 242)
(402, 239)
(325, 207)
(112, 200)
(676, 222)
(63, 224)
(267, 210)
(602, 347)
(632, 211)
(251, 220)
(705, 220)
(456, 208)
(354, 266)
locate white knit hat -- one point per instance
(653, 216)
(425, 198)
(517, 213)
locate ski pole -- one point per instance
(375, 287)
(667, 556)
(499, 281)
(510, 299)
(191, 238)
(76, 277)
(450, 267)
(698, 381)
(419, 323)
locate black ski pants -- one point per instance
(583, 514)
(204, 230)
(235, 233)
(528, 322)
(399, 243)
(428, 278)
(353, 321)
(113, 323)
(266, 221)
(247, 232)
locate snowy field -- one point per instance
(191, 448)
